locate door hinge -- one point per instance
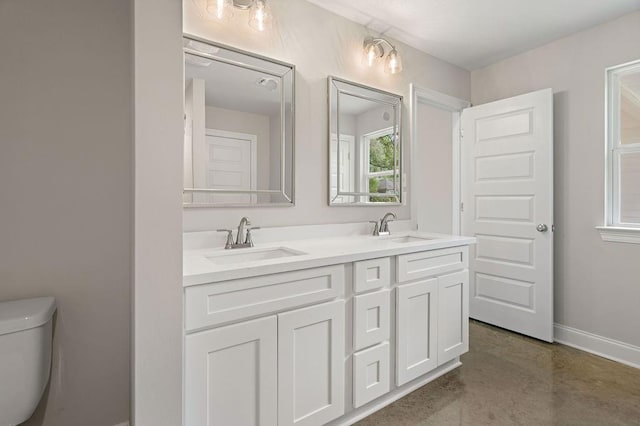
(462, 207)
(461, 133)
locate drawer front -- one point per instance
(371, 274)
(371, 319)
(220, 303)
(370, 374)
(425, 264)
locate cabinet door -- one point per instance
(231, 375)
(453, 316)
(417, 316)
(311, 357)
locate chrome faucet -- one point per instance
(244, 221)
(382, 228)
(248, 240)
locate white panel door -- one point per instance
(453, 316)
(230, 164)
(507, 193)
(231, 375)
(311, 357)
(416, 334)
(347, 168)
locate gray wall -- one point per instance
(320, 44)
(65, 182)
(434, 179)
(597, 283)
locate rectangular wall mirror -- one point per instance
(239, 127)
(365, 145)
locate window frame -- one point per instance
(614, 229)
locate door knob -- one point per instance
(542, 228)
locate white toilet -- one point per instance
(25, 356)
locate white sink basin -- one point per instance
(409, 239)
(251, 255)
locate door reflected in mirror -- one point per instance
(365, 146)
(238, 144)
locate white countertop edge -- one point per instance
(329, 251)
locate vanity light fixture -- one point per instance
(374, 50)
(260, 17)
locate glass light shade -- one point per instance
(372, 52)
(393, 62)
(220, 10)
(260, 15)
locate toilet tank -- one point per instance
(25, 356)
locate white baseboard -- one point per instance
(597, 345)
(122, 424)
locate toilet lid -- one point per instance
(19, 315)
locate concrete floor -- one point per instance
(509, 379)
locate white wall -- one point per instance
(433, 179)
(157, 287)
(65, 183)
(320, 44)
(597, 283)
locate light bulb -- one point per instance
(372, 51)
(260, 15)
(393, 63)
(371, 55)
(219, 9)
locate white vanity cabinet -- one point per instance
(432, 311)
(286, 368)
(323, 345)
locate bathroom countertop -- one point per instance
(315, 252)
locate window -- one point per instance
(623, 154)
(381, 160)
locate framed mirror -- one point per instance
(365, 145)
(239, 127)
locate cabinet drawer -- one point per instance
(370, 374)
(219, 303)
(371, 274)
(371, 319)
(425, 264)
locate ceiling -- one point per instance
(474, 33)
(235, 88)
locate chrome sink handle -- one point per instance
(229, 243)
(376, 229)
(249, 240)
